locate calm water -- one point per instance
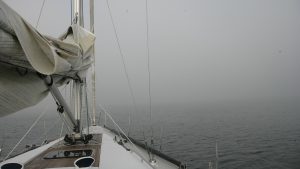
(249, 136)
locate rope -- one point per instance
(37, 23)
(123, 58)
(28, 131)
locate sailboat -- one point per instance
(33, 65)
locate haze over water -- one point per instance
(258, 135)
(221, 71)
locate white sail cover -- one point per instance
(24, 52)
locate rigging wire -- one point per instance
(63, 115)
(2, 142)
(61, 129)
(149, 76)
(148, 57)
(123, 61)
(121, 131)
(41, 10)
(47, 131)
(28, 131)
(71, 4)
(87, 108)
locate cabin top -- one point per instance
(64, 155)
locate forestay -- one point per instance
(24, 52)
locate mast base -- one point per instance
(77, 138)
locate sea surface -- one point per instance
(248, 135)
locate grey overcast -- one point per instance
(200, 51)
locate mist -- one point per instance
(201, 52)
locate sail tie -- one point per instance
(21, 72)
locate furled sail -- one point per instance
(24, 53)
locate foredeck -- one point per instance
(61, 155)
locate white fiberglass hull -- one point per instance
(112, 155)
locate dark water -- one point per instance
(256, 135)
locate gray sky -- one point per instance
(200, 51)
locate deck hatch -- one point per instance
(68, 154)
(60, 160)
(84, 162)
(12, 166)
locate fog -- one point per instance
(200, 51)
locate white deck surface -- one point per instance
(115, 156)
(112, 155)
(23, 158)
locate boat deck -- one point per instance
(61, 155)
(104, 148)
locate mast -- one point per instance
(93, 65)
(77, 12)
(78, 86)
(77, 18)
